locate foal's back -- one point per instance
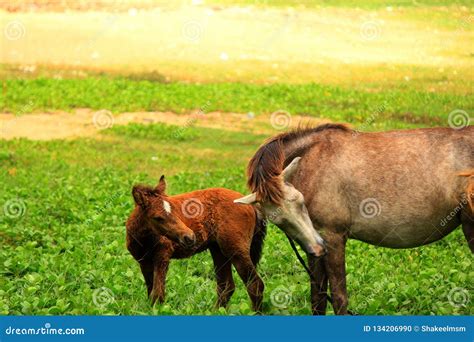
(214, 210)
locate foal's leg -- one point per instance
(161, 263)
(319, 286)
(246, 270)
(336, 270)
(225, 281)
(147, 271)
(143, 257)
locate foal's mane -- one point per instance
(265, 167)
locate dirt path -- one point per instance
(89, 123)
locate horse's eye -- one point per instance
(158, 219)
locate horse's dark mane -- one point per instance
(266, 165)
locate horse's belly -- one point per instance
(404, 219)
(402, 234)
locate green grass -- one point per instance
(397, 106)
(69, 243)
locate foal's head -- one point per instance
(160, 215)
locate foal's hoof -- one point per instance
(154, 298)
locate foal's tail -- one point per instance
(470, 187)
(258, 237)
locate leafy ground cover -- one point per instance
(63, 248)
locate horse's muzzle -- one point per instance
(317, 250)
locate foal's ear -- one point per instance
(140, 195)
(161, 187)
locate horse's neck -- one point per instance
(298, 147)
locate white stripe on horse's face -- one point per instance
(167, 206)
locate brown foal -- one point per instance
(163, 227)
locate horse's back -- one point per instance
(395, 189)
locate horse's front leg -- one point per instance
(319, 285)
(161, 264)
(336, 270)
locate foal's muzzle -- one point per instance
(188, 240)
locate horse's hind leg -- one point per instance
(225, 281)
(319, 285)
(246, 270)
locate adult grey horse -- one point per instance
(397, 189)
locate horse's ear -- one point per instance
(290, 169)
(249, 199)
(161, 187)
(140, 196)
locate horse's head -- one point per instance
(290, 214)
(159, 214)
